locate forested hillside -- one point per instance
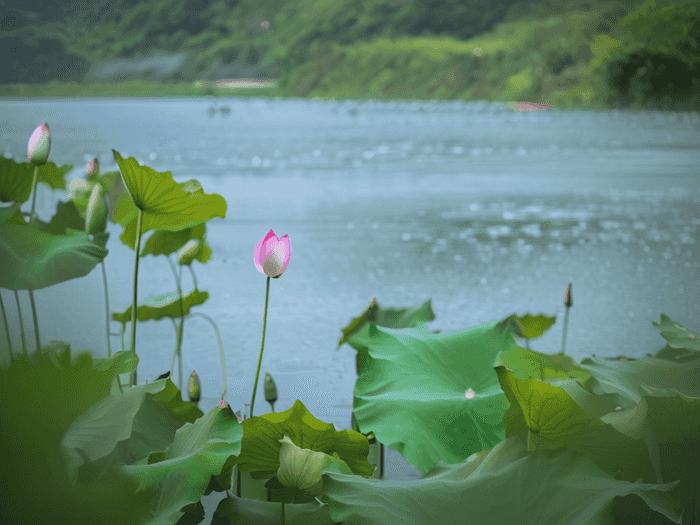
(612, 52)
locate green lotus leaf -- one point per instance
(41, 397)
(124, 360)
(627, 376)
(39, 255)
(546, 417)
(432, 397)
(507, 484)
(165, 242)
(529, 326)
(356, 333)
(16, 178)
(241, 510)
(181, 474)
(301, 468)
(677, 335)
(529, 363)
(260, 449)
(166, 305)
(165, 204)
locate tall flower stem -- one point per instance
(221, 350)
(257, 374)
(104, 279)
(180, 328)
(21, 325)
(36, 322)
(566, 320)
(568, 302)
(137, 247)
(34, 182)
(7, 330)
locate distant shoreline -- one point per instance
(246, 88)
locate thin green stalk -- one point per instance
(566, 320)
(527, 343)
(257, 374)
(283, 522)
(36, 322)
(137, 247)
(182, 321)
(221, 350)
(21, 325)
(194, 279)
(34, 183)
(104, 279)
(7, 330)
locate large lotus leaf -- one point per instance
(40, 400)
(669, 423)
(508, 485)
(433, 397)
(530, 326)
(16, 178)
(140, 410)
(677, 335)
(164, 242)
(546, 367)
(627, 376)
(234, 510)
(260, 451)
(124, 361)
(545, 416)
(34, 256)
(166, 305)
(181, 474)
(356, 333)
(165, 204)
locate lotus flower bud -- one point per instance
(96, 215)
(194, 387)
(223, 403)
(93, 169)
(568, 298)
(270, 391)
(189, 252)
(39, 145)
(271, 255)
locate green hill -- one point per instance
(600, 53)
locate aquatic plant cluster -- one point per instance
(500, 433)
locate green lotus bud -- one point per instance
(270, 391)
(93, 169)
(568, 298)
(96, 215)
(194, 387)
(39, 145)
(189, 252)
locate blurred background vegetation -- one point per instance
(598, 53)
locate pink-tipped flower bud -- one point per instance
(188, 252)
(96, 214)
(93, 169)
(194, 387)
(223, 403)
(39, 145)
(373, 302)
(271, 255)
(568, 298)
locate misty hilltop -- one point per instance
(567, 52)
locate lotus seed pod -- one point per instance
(194, 387)
(93, 169)
(39, 145)
(189, 252)
(96, 215)
(568, 298)
(270, 390)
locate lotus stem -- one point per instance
(34, 183)
(182, 323)
(137, 247)
(283, 522)
(194, 278)
(21, 325)
(257, 374)
(36, 322)
(7, 330)
(221, 349)
(104, 280)
(568, 302)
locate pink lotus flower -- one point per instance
(272, 255)
(93, 169)
(39, 145)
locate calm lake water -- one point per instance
(484, 210)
